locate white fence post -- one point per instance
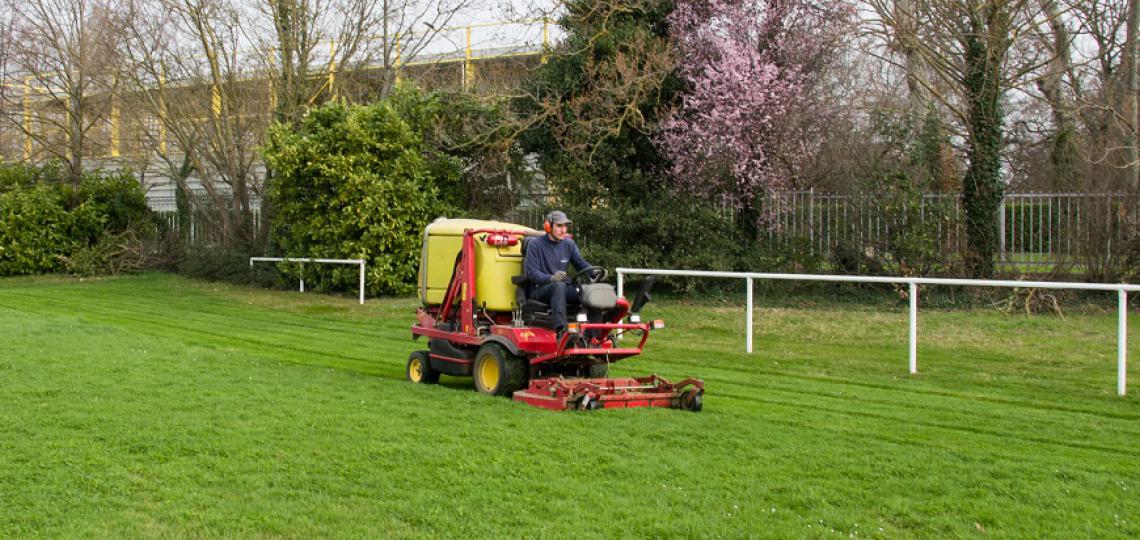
(1122, 343)
(748, 318)
(913, 328)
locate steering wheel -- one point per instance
(593, 274)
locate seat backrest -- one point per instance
(521, 280)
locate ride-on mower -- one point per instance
(479, 323)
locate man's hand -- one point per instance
(558, 276)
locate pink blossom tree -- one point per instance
(750, 66)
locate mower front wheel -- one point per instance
(419, 369)
(598, 371)
(498, 372)
(693, 400)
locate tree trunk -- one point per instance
(1063, 153)
(906, 35)
(982, 189)
(1128, 93)
(75, 138)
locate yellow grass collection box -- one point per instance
(494, 265)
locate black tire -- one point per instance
(598, 371)
(419, 369)
(497, 372)
(693, 400)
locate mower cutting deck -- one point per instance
(557, 393)
(480, 324)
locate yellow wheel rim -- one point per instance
(488, 373)
(416, 370)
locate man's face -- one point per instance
(559, 231)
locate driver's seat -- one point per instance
(534, 312)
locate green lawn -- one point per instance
(158, 406)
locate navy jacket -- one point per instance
(544, 257)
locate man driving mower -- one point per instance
(483, 286)
(547, 260)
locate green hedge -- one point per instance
(353, 182)
(44, 219)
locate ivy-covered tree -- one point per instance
(595, 104)
(970, 58)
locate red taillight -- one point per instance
(500, 240)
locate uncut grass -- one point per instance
(158, 406)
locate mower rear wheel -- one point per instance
(498, 372)
(419, 369)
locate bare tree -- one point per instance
(309, 47)
(1052, 84)
(1091, 88)
(1127, 93)
(10, 87)
(207, 102)
(64, 50)
(201, 68)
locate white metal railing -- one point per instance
(1122, 290)
(359, 262)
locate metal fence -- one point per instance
(198, 226)
(1033, 228)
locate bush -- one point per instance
(654, 236)
(351, 182)
(136, 249)
(47, 222)
(35, 230)
(911, 236)
(219, 263)
(18, 175)
(116, 196)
